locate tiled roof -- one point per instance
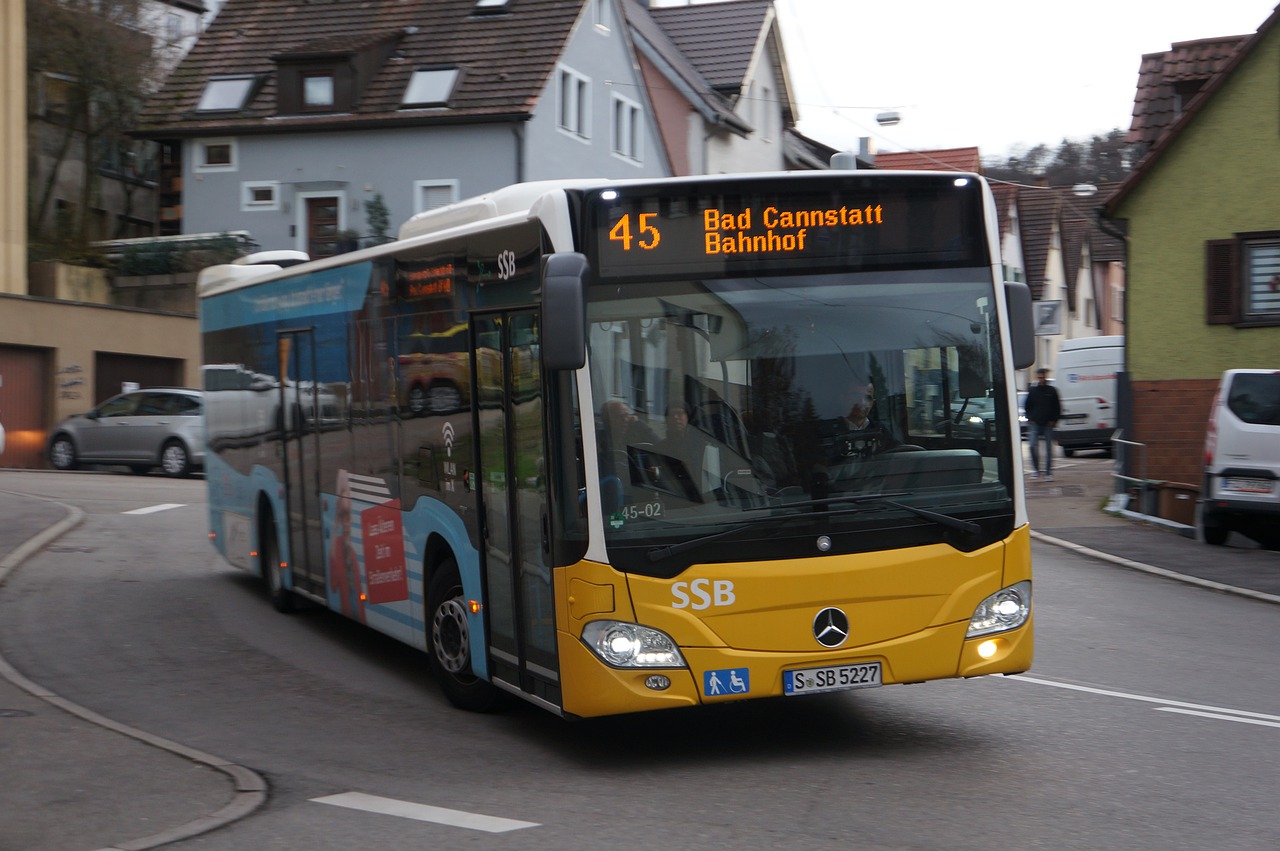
(719, 38)
(1038, 210)
(1169, 79)
(803, 152)
(1167, 137)
(650, 36)
(504, 59)
(1006, 195)
(949, 159)
(1104, 246)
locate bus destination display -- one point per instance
(645, 235)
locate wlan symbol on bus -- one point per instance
(448, 439)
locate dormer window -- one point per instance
(317, 90)
(430, 87)
(226, 94)
(330, 74)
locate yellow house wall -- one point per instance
(1220, 178)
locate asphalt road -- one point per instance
(1146, 722)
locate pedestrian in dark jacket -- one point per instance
(1043, 409)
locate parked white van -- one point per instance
(1086, 382)
(1242, 459)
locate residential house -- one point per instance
(717, 77)
(1093, 260)
(1040, 223)
(288, 121)
(1203, 214)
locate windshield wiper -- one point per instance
(965, 527)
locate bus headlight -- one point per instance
(629, 645)
(1006, 609)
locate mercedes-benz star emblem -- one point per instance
(831, 627)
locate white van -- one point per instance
(1086, 382)
(1242, 459)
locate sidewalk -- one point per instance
(1069, 512)
(77, 780)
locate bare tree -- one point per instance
(88, 67)
(1101, 159)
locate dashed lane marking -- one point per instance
(152, 509)
(423, 812)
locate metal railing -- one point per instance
(1120, 452)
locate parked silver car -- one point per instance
(142, 429)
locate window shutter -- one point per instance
(1222, 282)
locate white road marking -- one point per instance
(423, 812)
(152, 509)
(1166, 705)
(1218, 717)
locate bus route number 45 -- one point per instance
(647, 236)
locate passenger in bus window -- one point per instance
(623, 428)
(683, 443)
(860, 432)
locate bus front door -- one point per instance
(298, 423)
(507, 384)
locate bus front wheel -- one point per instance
(449, 642)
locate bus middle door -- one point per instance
(299, 424)
(511, 441)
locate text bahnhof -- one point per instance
(786, 230)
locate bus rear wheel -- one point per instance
(269, 558)
(449, 642)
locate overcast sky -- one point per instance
(996, 74)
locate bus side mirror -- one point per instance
(564, 311)
(1022, 324)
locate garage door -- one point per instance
(24, 405)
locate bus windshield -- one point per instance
(763, 417)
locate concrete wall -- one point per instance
(75, 333)
(13, 149)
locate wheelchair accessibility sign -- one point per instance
(726, 681)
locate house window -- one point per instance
(430, 87)
(1117, 304)
(224, 94)
(430, 194)
(216, 155)
(58, 95)
(1262, 278)
(600, 12)
(1242, 280)
(490, 7)
(317, 91)
(626, 129)
(575, 97)
(260, 195)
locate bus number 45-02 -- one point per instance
(648, 238)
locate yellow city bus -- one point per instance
(724, 438)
